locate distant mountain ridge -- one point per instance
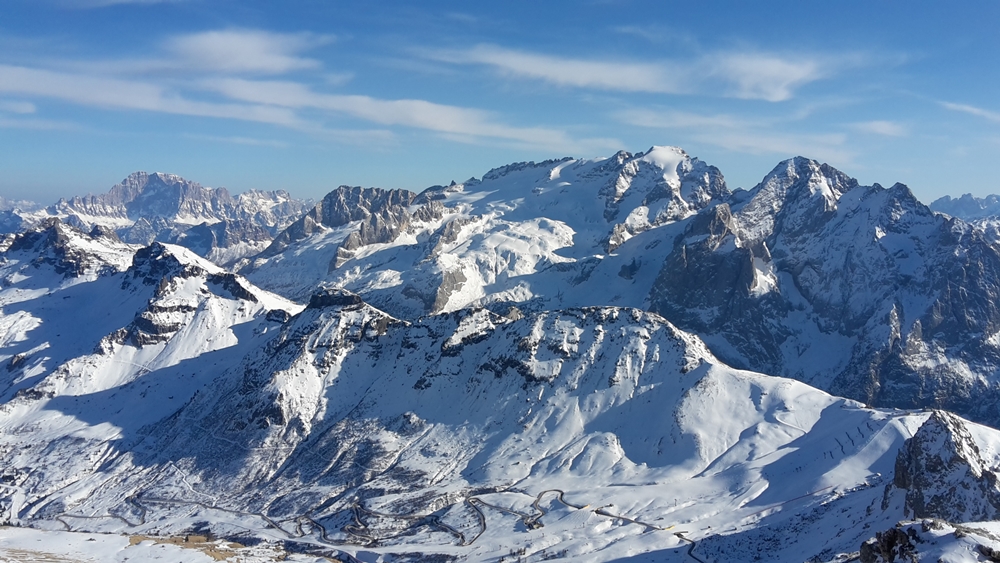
(147, 207)
(982, 213)
(967, 206)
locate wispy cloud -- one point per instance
(749, 75)
(973, 110)
(252, 51)
(229, 51)
(462, 17)
(216, 74)
(606, 75)
(114, 93)
(759, 76)
(280, 103)
(420, 114)
(879, 127)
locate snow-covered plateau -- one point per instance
(578, 360)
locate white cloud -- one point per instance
(420, 114)
(206, 75)
(680, 120)
(338, 78)
(461, 17)
(879, 127)
(231, 51)
(973, 110)
(279, 103)
(605, 75)
(658, 34)
(245, 51)
(748, 75)
(113, 93)
(758, 76)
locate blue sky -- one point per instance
(310, 94)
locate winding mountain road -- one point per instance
(359, 531)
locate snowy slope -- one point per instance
(84, 317)
(358, 432)
(526, 233)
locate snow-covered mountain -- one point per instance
(586, 433)
(91, 311)
(859, 290)
(982, 213)
(547, 363)
(968, 206)
(933, 540)
(525, 234)
(167, 208)
(11, 214)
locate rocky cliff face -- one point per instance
(931, 540)
(944, 474)
(859, 290)
(372, 216)
(65, 249)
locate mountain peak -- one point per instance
(141, 176)
(158, 261)
(945, 476)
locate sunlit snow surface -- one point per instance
(526, 231)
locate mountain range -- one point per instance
(167, 208)
(574, 359)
